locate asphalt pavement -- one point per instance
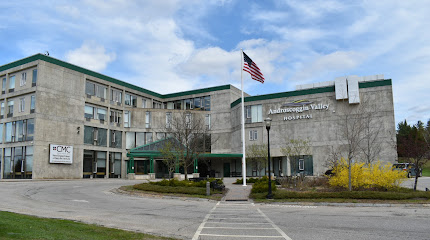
(96, 201)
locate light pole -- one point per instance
(268, 122)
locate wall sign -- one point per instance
(60, 154)
(304, 107)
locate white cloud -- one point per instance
(68, 10)
(339, 61)
(315, 9)
(91, 56)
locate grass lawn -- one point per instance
(17, 226)
(426, 170)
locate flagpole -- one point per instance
(243, 122)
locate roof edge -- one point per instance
(376, 83)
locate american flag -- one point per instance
(252, 68)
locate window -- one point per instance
(95, 136)
(116, 96)
(207, 103)
(32, 103)
(208, 121)
(23, 79)
(130, 140)
(254, 113)
(19, 131)
(127, 119)
(2, 109)
(248, 112)
(169, 105)
(95, 113)
(148, 137)
(136, 139)
(178, 104)
(1, 136)
(140, 139)
(187, 103)
(253, 135)
(30, 129)
(3, 86)
(197, 104)
(148, 119)
(9, 132)
(157, 105)
(144, 100)
(34, 80)
(115, 164)
(115, 117)
(301, 164)
(168, 120)
(90, 88)
(10, 108)
(94, 89)
(11, 83)
(130, 100)
(101, 114)
(28, 159)
(115, 139)
(89, 112)
(21, 104)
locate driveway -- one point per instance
(92, 201)
(423, 183)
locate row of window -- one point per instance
(98, 137)
(17, 131)
(100, 91)
(21, 106)
(95, 164)
(22, 81)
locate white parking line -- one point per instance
(199, 230)
(274, 225)
(215, 214)
(239, 236)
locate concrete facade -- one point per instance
(102, 118)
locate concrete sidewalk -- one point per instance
(236, 192)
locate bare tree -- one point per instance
(333, 156)
(170, 158)
(256, 155)
(371, 144)
(359, 133)
(191, 131)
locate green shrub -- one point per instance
(169, 189)
(263, 186)
(248, 180)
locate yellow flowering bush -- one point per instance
(366, 175)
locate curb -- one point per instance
(327, 204)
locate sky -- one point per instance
(170, 45)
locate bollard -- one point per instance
(208, 188)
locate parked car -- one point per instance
(409, 167)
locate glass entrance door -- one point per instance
(18, 162)
(94, 165)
